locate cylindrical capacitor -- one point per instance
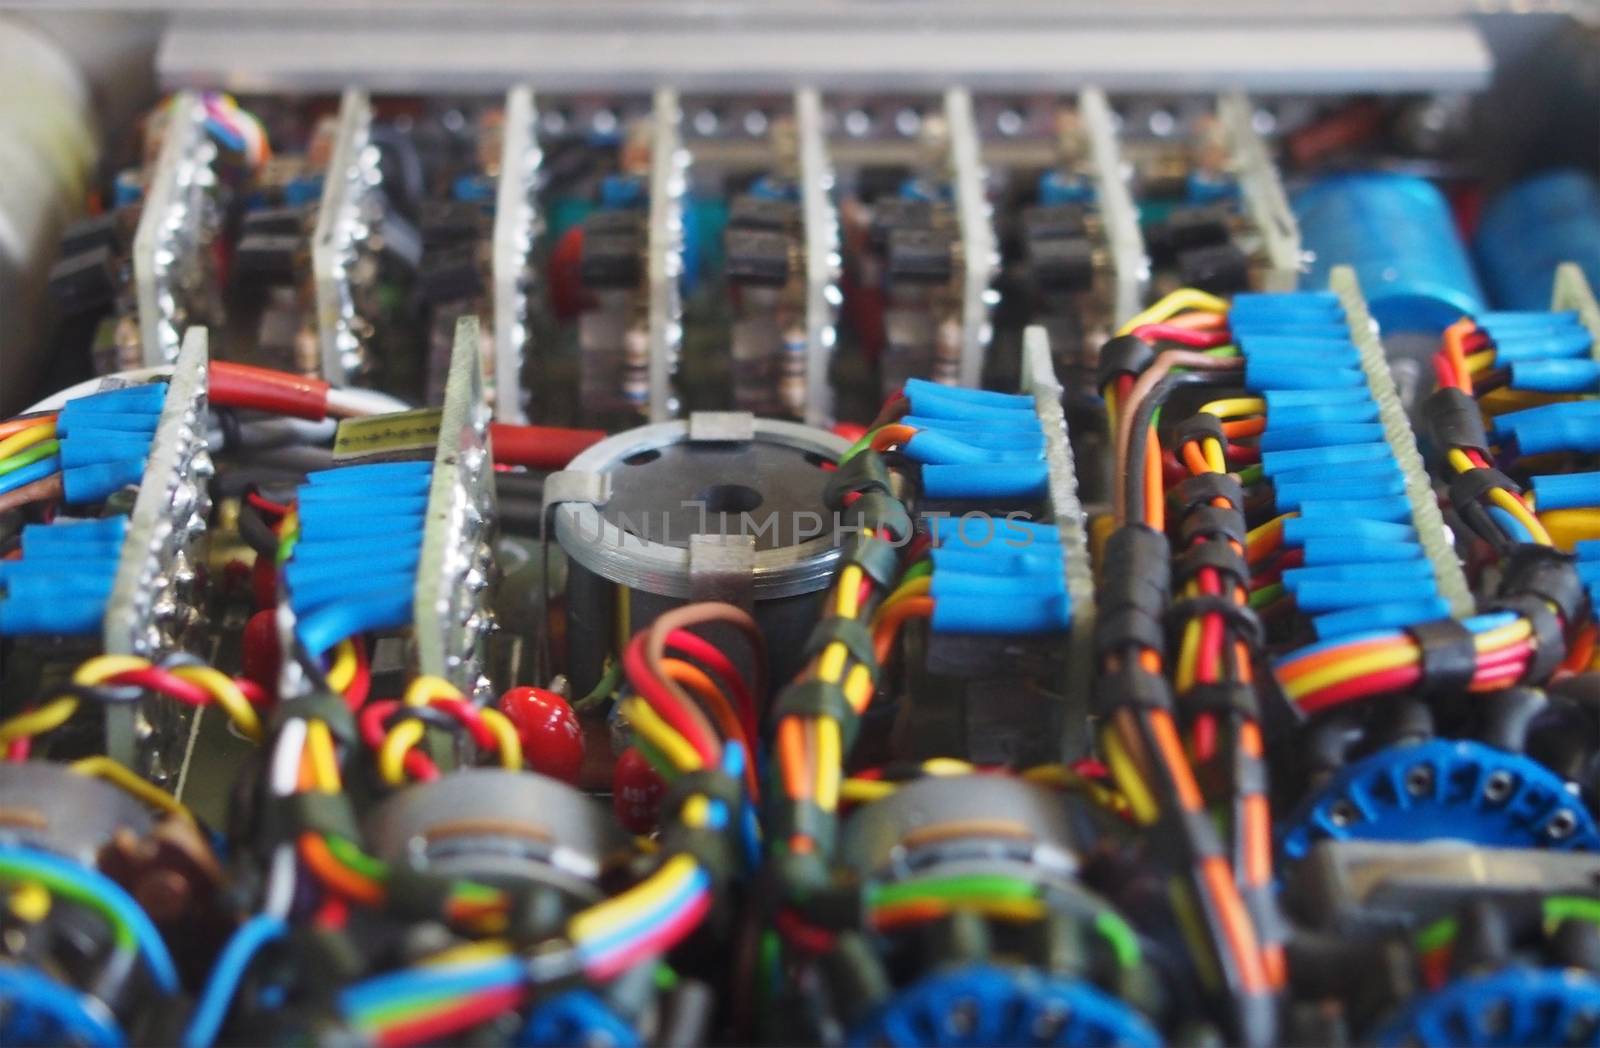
(1398, 234)
(722, 506)
(1533, 227)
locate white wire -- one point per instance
(55, 401)
(349, 401)
(280, 882)
(284, 775)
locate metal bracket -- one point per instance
(333, 245)
(567, 485)
(722, 567)
(518, 228)
(726, 427)
(668, 182)
(820, 219)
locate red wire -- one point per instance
(1359, 688)
(1182, 335)
(697, 647)
(370, 723)
(663, 701)
(262, 389)
(657, 939)
(468, 716)
(442, 1025)
(802, 933)
(154, 679)
(360, 684)
(540, 447)
(266, 505)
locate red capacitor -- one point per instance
(259, 657)
(552, 740)
(636, 792)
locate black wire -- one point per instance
(253, 528)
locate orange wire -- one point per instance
(895, 613)
(1244, 427)
(888, 436)
(1155, 499)
(17, 425)
(316, 854)
(717, 704)
(792, 757)
(1193, 458)
(1458, 358)
(1301, 667)
(1236, 926)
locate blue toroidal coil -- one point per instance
(1533, 227)
(1398, 234)
(353, 568)
(1325, 453)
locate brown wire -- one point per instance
(1128, 410)
(704, 613)
(39, 491)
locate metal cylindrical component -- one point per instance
(1398, 234)
(1532, 228)
(721, 507)
(51, 807)
(500, 827)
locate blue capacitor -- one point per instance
(1399, 235)
(999, 481)
(1567, 491)
(1533, 227)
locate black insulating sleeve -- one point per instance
(1454, 421)
(1449, 657)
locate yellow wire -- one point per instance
(864, 791)
(425, 688)
(505, 733)
(603, 917)
(30, 901)
(1235, 407)
(324, 761)
(27, 438)
(1213, 453)
(831, 666)
(392, 754)
(1513, 505)
(918, 587)
(1063, 777)
(468, 953)
(1567, 527)
(946, 766)
(343, 670)
(1350, 669)
(57, 712)
(1173, 304)
(1477, 363)
(121, 776)
(830, 763)
(228, 695)
(1140, 800)
(1188, 656)
(661, 735)
(850, 591)
(1460, 462)
(1500, 636)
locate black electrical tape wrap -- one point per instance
(1142, 557)
(328, 814)
(815, 698)
(1249, 775)
(1224, 697)
(1549, 644)
(1198, 428)
(430, 716)
(1543, 571)
(1471, 486)
(1212, 522)
(1220, 557)
(878, 558)
(717, 850)
(323, 706)
(1449, 657)
(1240, 617)
(1202, 489)
(1131, 688)
(1454, 421)
(418, 893)
(865, 472)
(881, 512)
(803, 818)
(854, 634)
(1126, 627)
(1123, 355)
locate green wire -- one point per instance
(1116, 932)
(917, 570)
(1559, 908)
(967, 888)
(607, 686)
(859, 446)
(28, 456)
(352, 856)
(666, 979)
(657, 759)
(13, 872)
(1266, 595)
(1437, 935)
(1253, 474)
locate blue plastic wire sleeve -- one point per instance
(1582, 410)
(463, 979)
(922, 387)
(1393, 510)
(1023, 443)
(1260, 374)
(1287, 349)
(375, 565)
(311, 597)
(1567, 491)
(963, 585)
(149, 396)
(1368, 571)
(1284, 401)
(97, 482)
(26, 475)
(961, 427)
(397, 489)
(1289, 495)
(1556, 376)
(1001, 481)
(1276, 305)
(996, 559)
(41, 1011)
(1319, 434)
(358, 613)
(984, 531)
(1318, 458)
(132, 427)
(74, 539)
(1510, 525)
(331, 528)
(47, 585)
(88, 449)
(1565, 345)
(352, 549)
(1319, 329)
(1354, 551)
(1370, 470)
(1297, 529)
(1298, 416)
(1358, 620)
(374, 470)
(934, 402)
(66, 616)
(1587, 549)
(1555, 433)
(49, 869)
(933, 448)
(1516, 320)
(226, 974)
(413, 506)
(1313, 597)
(1014, 616)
